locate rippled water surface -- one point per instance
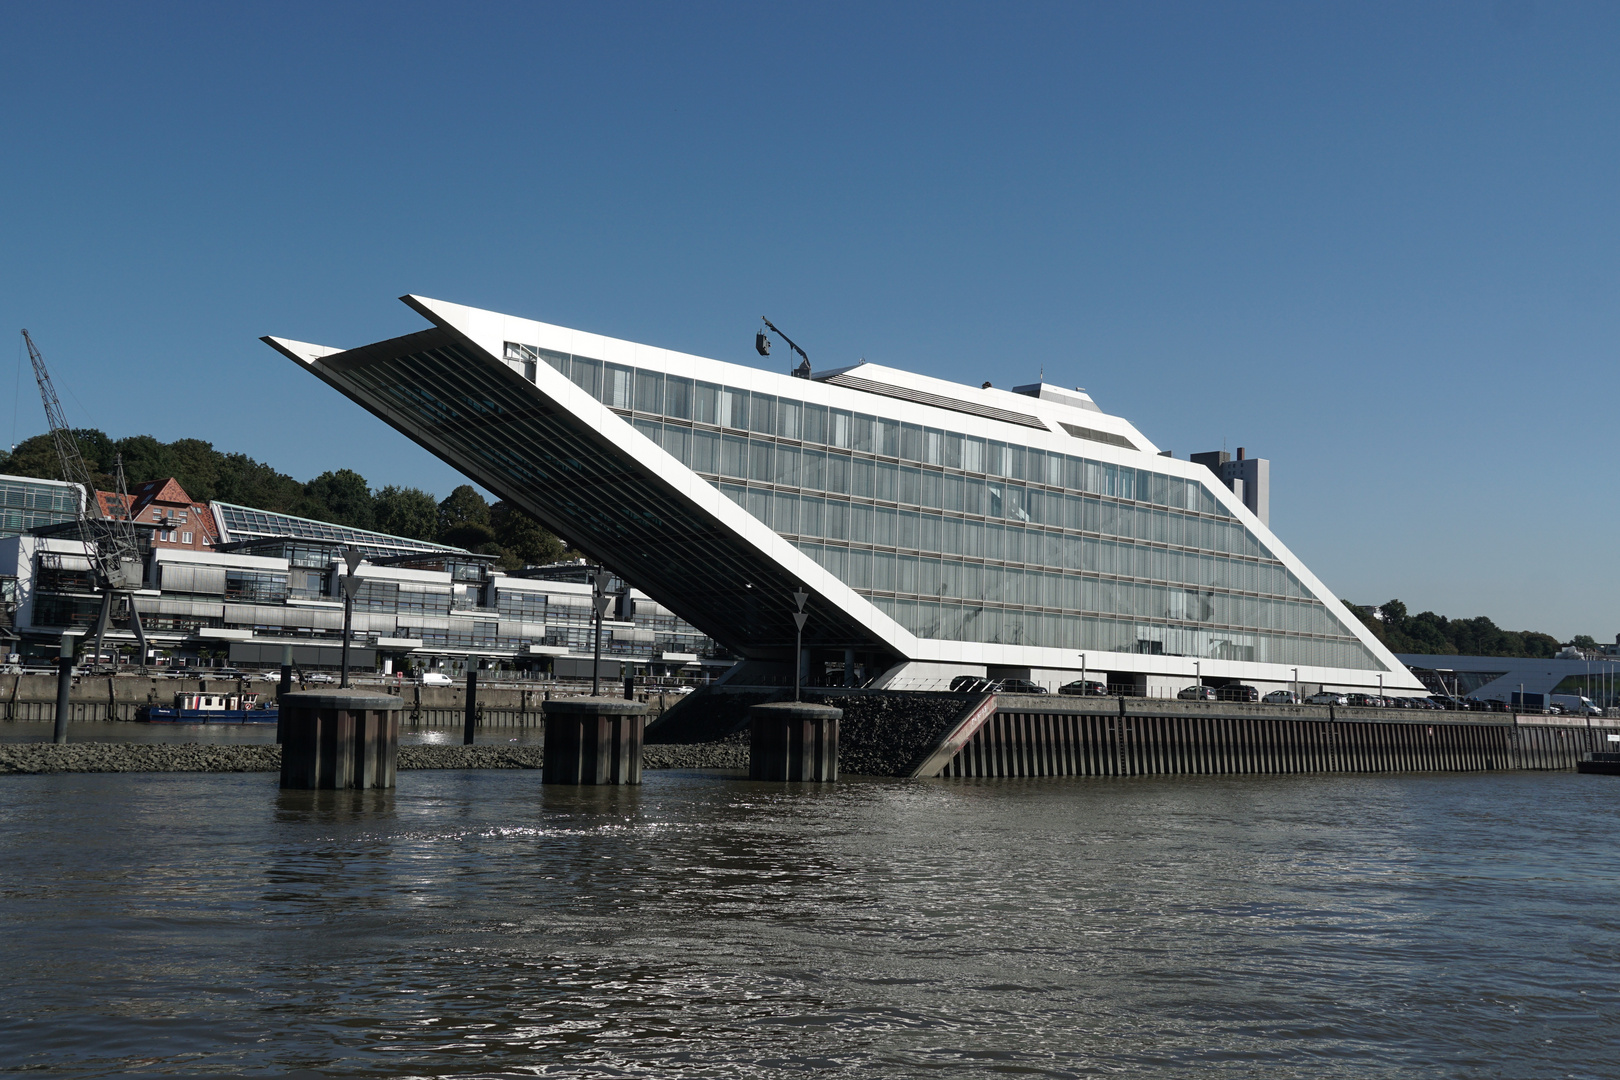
(477, 924)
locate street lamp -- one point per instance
(1296, 686)
(1083, 688)
(799, 617)
(351, 585)
(599, 605)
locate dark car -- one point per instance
(1197, 693)
(1238, 692)
(969, 684)
(1366, 701)
(1017, 686)
(1083, 688)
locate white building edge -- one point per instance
(900, 506)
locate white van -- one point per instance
(434, 678)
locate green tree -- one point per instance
(1431, 634)
(408, 512)
(524, 541)
(36, 456)
(1583, 641)
(241, 480)
(196, 465)
(145, 459)
(463, 506)
(341, 497)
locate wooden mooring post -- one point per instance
(339, 739)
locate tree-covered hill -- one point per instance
(1434, 634)
(343, 497)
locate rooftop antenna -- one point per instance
(762, 345)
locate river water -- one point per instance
(478, 924)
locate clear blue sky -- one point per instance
(1376, 244)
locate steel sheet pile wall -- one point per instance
(1014, 742)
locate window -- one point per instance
(185, 538)
(649, 392)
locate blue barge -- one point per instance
(210, 709)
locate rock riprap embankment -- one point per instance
(191, 757)
(137, 757)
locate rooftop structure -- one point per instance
(238, 523)
(940, 529)
(28, 503)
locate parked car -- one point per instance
(318, 677)
(1281, 697)
(970, 684)
(1325, 698)
(1197, 693)
(1238, 692)
(1364, 701)
(434, 678)
(1083, 688)
(1017, 686)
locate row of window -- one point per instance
(1055, 630)
(914, 531)
(946, 579)
(654, 393)
(49, 497)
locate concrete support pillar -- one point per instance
(793, 740)
(593, 740)
(849, 667)
(338, 739)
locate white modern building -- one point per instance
(273, 584)
(940, 529)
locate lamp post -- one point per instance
(799, 617)
(1198, 675)
(1083, 690)
(599, 603)
(1380, 686)
(1296, 687)
(351, 585)
(64, 689)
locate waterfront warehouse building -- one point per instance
(940, 529)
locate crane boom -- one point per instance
(109, 541)
(74, 469)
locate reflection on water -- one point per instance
(478, 923)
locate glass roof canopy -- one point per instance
(238, 523)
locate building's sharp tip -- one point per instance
(303, 352)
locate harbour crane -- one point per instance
(109, 539)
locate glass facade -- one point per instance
(28, 504)
(963, 538)
(246, 523)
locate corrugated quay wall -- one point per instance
(1016, 742)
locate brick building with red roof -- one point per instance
(175, 519)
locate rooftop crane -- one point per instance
(109, 540)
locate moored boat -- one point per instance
(210, 709)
